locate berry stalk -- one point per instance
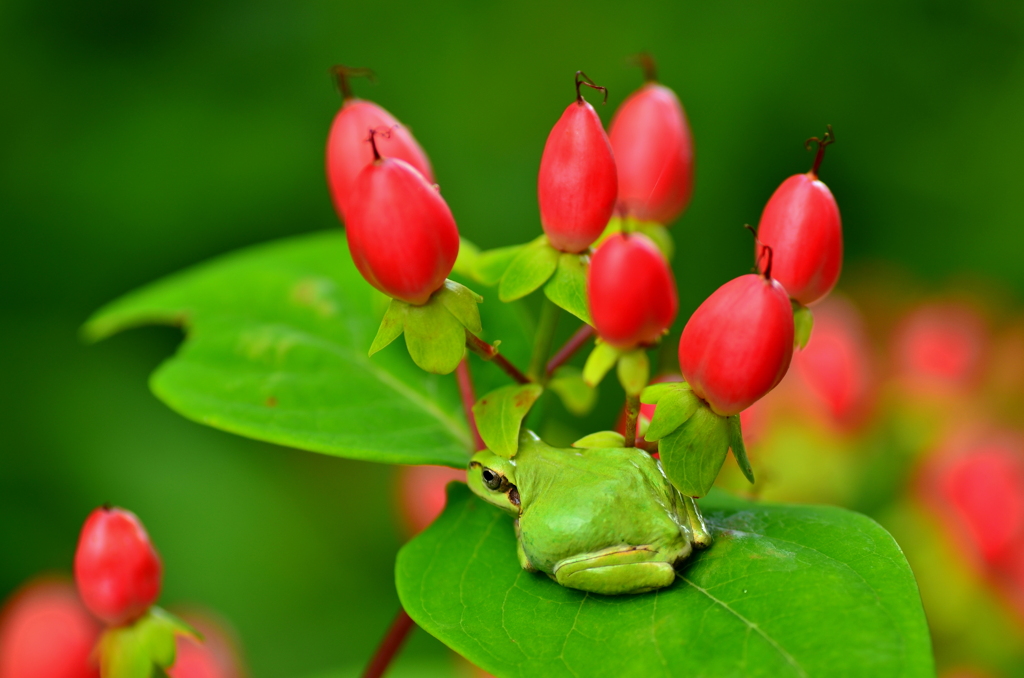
(570, 347)
(490, 354)
(389, 646)
(465, 380)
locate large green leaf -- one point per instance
(784, 591)
(276, 349)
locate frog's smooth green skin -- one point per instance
(604, 520)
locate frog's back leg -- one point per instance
(615, 571)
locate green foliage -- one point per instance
(499, 416)
(634, 370)
(693, 454)
(600, 360)
(577, 396)
(658, 233)
(675, 404)
(785, 591)
(530, 269)
(739, 448)
(803, 323)
(568, 286)
(276, 349)
(144, 648)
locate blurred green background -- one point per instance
(141, 137)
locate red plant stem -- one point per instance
(574, 344)
(490, 354)
(389, 647)
(632, 414)
(465, 380)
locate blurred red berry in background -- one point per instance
(941, 346)
(117, 570)
(217, 656)
(421, 494)
(46, 632)
(836, 367)
(976, 484)
(653, 149)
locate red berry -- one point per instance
(401, 234)
(980, 488)
(45, 632)
(653, 149)
(631, 291)
(577, 185)
(215, 657)
(941, 345)
(421, 494)
(836, 366)
(738, 344)
(116, 567)
(348, 151)
(801, 224)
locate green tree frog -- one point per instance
(604, 519)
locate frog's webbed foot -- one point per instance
(701, 535)
(617, 570)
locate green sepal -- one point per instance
(739, 448)
(577, 396)
(634, 371)
(568, 286)
(465, 261)
(693, 454)
(435, 338)
(599, 362)
(490, 265)
(530, 269)
(674, 408)
(144, 648)
(803, 323)
(499, 416)
(602, 439)
(658, 233)
(462, 303)
(435, 333)
(653, 394)
(391, 326)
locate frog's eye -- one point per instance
(491, 479)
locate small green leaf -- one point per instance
(577, 396)
(653, 393)
(661, 237)
(568, 286)
(391, 326)
(693, 454)
(738, 447)
(803, 323)
(785, 592)
(600, 360)
(602, 439)
(490, 265)
(462, 303)
(529, 270)
(466, 261)
(435, 338)
(143, 648)
(634, 371)
(499, 416)
(673, 409)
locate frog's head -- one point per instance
(493, 479)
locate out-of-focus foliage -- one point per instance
(139, 138)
